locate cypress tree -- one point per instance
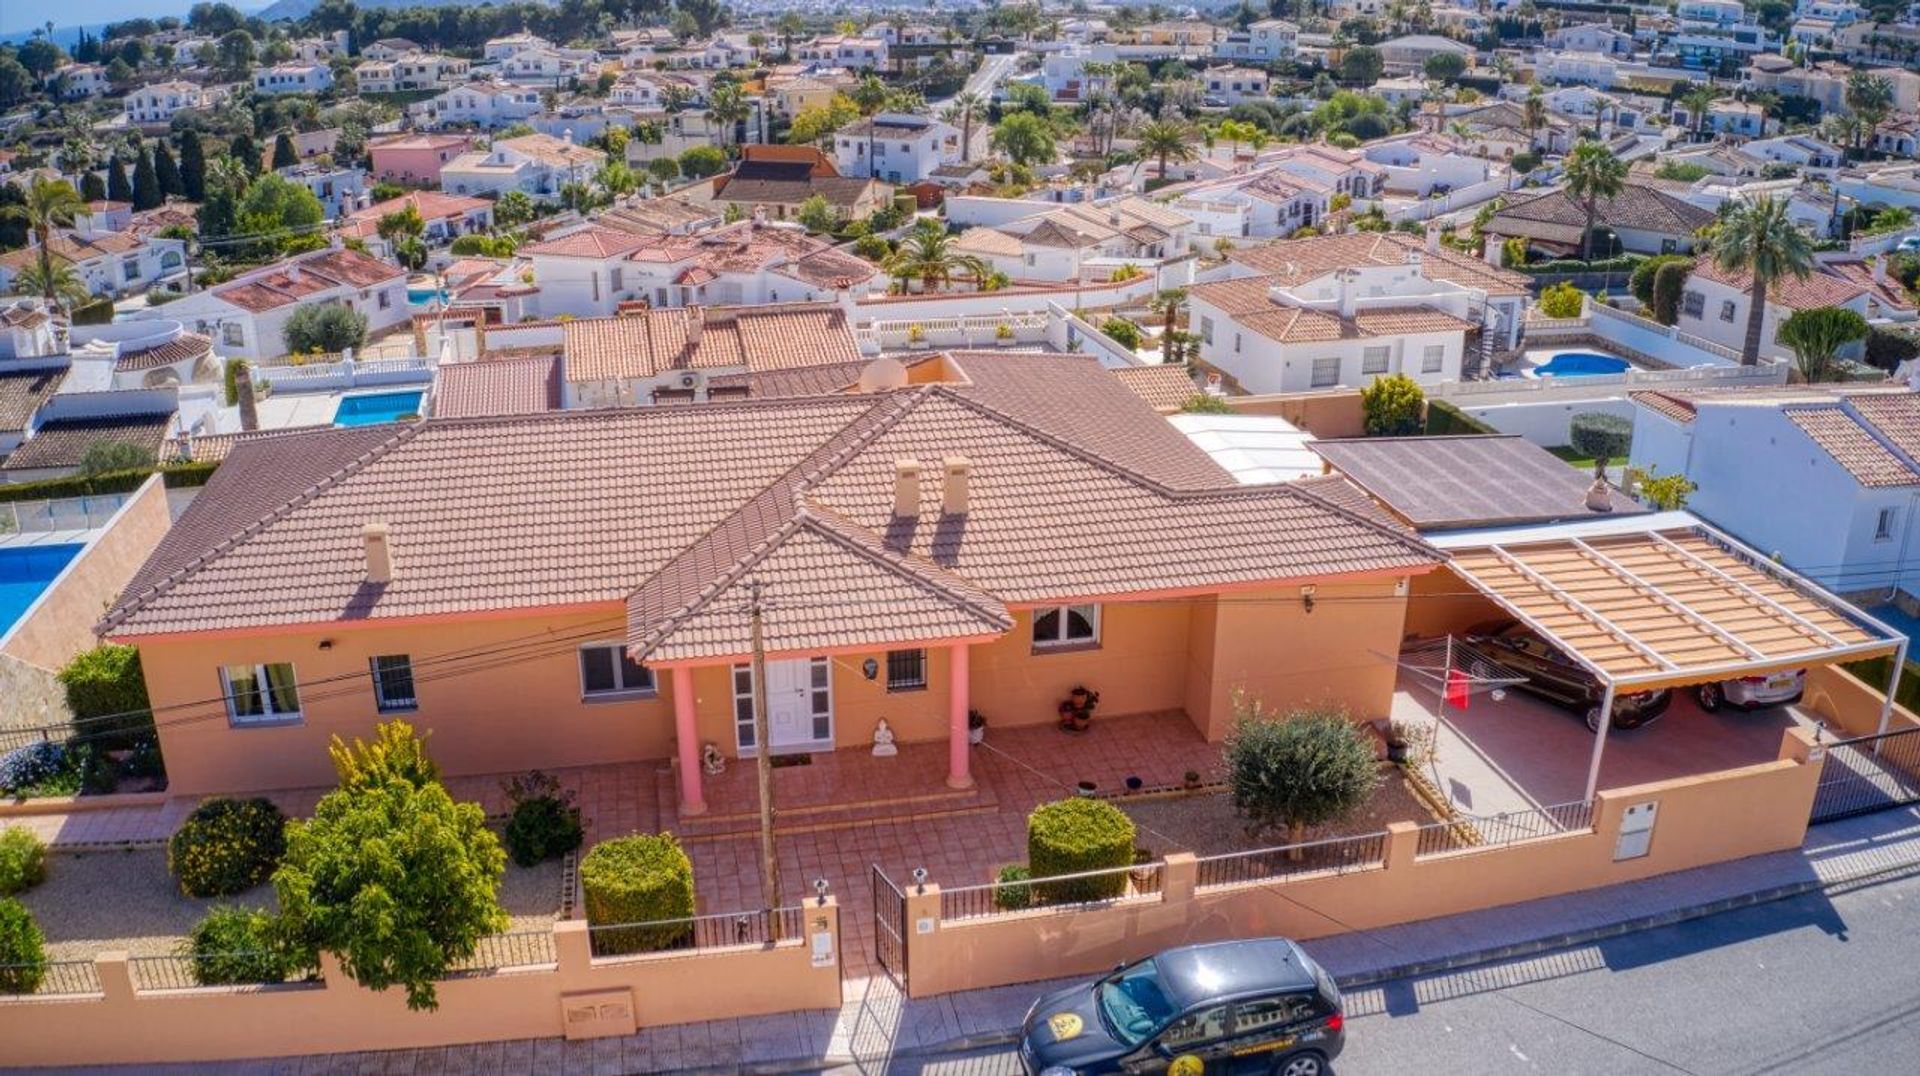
(147, 192)
(166, 172)
(118, 188)
(244, 151)
(92, 187)
(193, 167)
(284, 155)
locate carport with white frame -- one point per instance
(1663, 601)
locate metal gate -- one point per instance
(1868, 773)
(889, 927)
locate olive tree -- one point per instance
(1816, 337)
(1602, 436)
(1394, 406)
(331, 328)
(1304, 768)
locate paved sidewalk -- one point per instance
(876, 1023)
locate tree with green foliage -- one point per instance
(1393, 406)
(1122, 332)
(147, 191)
(1816, 336)
(820, 121)
(639, 878)
(23, 949)
(1076, 836)
(92, 187)
(1307, 767)
(1166, 141)
(49, 204)
(107, 691)
(1593, 173)
(1603, 437)
(104, 456)
(1562, 300)
(1642, 278)
(1206, 403)
(119, 188)
(1025, 139)
(284, 155)
(1361, 66)
(927, 254)
(1445, 66)
(284, 215)
(817, 215)
(193, 167)
(1662, 493)
(699, 162)
(1870, 99)
(1759, 239)
(330, 328)
(1669, 284)
(390, 874)
(513, 209)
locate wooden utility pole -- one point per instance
(763, 762)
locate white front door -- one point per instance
(799, 705)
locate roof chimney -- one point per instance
(1433, 238)
(1345, 279)
(906, 489)
(1599, 496)
(379, 553)
(696, 324)
(959, 471)
(1879, 269)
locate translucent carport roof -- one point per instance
(1663, 601)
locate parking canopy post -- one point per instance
(1893, 687)
(1600, 740)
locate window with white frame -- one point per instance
(393, 682)
(1883, 527)
(606, 671)
(1433, 358)
(1206, 329)
(1325, 372)
(1066, 625)
(1374, 361)
(906, 670)
(265, 694)
(1693, 304)
(233, 335)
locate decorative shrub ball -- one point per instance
(227, 846)
(1011, 891)
(23, 951)
(643, 878)
(234, 946)
(30, 765)
(1074, 835)
(541, 828)
(23, 861)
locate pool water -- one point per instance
(423, 296)
(365, 410)
(1581, 364)
(25, 573)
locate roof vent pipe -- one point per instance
(959, 473)
(906, 489)
(379, 553)
(696, 324)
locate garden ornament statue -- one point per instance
(883, 746)
(712, 762)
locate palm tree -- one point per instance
(1168, 303)
(1593, 173)
(791, 25)
(1761, 239)
(52, 281)
(927, 254)
(961, 111)
(728, 108)
(870, 96)
(617, 179)
(1697, 101)
(1166, 142)
(1535, 115)
(50, 204)
(1870, 99)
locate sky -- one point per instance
(18, 15)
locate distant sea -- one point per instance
(63, 36)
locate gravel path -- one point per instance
(1207, 824)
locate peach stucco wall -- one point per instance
(125, 1027)
(1445, 604)
(61, 625)
(1849, 705)
(502, 694)
(1700, 820)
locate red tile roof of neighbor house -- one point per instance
(671, 509)
(648, 343)
(431, 205)
(184, 346)
(521, 385)
(1816, 289)
(1163, 386)
(1853, 446)
(306, 275)
(64, 442)
(1246, 300)
(1298, 260)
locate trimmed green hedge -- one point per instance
(176, 476)
(227, 846)
(1625, 263)
(1443, 419)
(638, 879)
(23, 860)
(108, 694)
(234, 946)
(1075, 835)
(23, 949)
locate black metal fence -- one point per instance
(513, 949)
(724, 930)
(1500, 830)
(1338, 855)
(50, 978)
(1868, 773)
(889, 926)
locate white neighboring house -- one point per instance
(504, 48)
(1845, 459)
(1075, 242)
(1715, 303)
(247, 316)
(413, 71)
(80, 81)
(1801, 151)
(487, 103)
(108, 254)
(853, 53)
(1417, 163)
(549, 66)
(1235, 85)
(906, 148)
(340, 189)
(1408, 55)
(293, 78)
(156, 104)
(1287, 189)
(1264, 42)
(390, 48)
(536, 164)
(1591, 37)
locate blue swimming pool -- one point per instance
(25, 573)
(1581, 364)
(423, 296)
(365, 410)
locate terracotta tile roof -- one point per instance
(1816, 290)
(1888, 293)
(185, 346)
(591, 242)
(431, 205)
(552, 151)
(304, 276)
(1677, 408)
(1161, 386)
(1246, 300)
(1295, 325)
(64, 442)
(23, 391)
(1396, 320)
(1296, 260)
(526, 385)
(649, 343)
(1852, 446)
(1894, 415)
(505, 513)
(73, 248)
(1560, 217)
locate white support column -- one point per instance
(1893, 688)
(1600, 741)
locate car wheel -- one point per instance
(1711, 696)
(1307, 1064)
(1593, 719)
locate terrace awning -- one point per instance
(1663, 601)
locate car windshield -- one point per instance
(1133, 1003)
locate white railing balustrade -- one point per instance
(60, 514)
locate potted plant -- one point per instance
(1003, 333)
(1086, 789)
(976, 727)
(1192, 780)
(1076, 710)
(916, 337)
(1143, 874)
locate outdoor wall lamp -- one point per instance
(820, 889)
(1306, 598)
(920, 879)
(870, 668)
(326, 644)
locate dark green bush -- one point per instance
(1625, 263)
(234, 946)
(1669, 284)
(1122, 332)
(542, 822)
(1643, 275)
(23, 951)
(108, 694)
(176, 476)
(1305, 768)
(1075, 835)
(227, 846)
(97, 312)
(1013, 892)
(644, 878)
(1443, 418)
(23, 860)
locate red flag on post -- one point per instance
(1457, 689)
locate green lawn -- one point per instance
(1573, 457)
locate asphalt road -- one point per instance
(993, 70)
(1810, 985)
